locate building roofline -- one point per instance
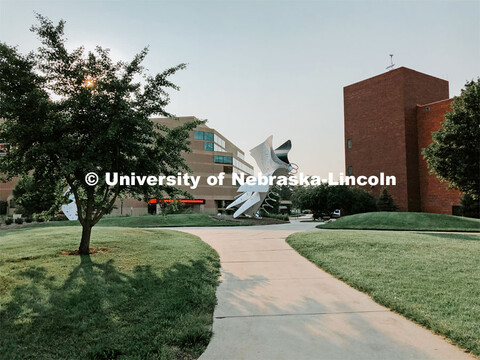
(226, 139)
(435, 102)
(401, 68)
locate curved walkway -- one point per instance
(274, 304)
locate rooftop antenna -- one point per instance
(390, 67)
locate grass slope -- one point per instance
(151, 294)
(433, 279)
(171, 220)
(404, 221)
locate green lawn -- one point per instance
(404, 221)
(172, 220)
(147, 294)
(433, 279)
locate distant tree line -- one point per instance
(350, 200)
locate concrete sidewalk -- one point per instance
(274, 304)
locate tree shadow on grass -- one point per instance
(99, 312)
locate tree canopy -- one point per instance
(68, 113)
(38, 197)
(454, 154)
(325, 198)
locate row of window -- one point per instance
(203, 135)
(219, 140)
(222, 159)
(242, 167)
(213, 147)
(349, 168)
(218, 145)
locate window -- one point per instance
(240, 155)
(208, 146)
(350, 171)
(202, 135)
(219, 140)
(349, 143)
(218, 148)
(198, 135)
(228, 169)
(242, 167)
(208, 136)
(222, 159)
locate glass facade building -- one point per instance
(211, 153)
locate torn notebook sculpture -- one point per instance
(271, 163)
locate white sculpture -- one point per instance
(70, 209)
(271, 163)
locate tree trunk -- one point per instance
(84, 248)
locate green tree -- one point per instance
(324, 198)
(35, 196)
(454, 154)
(312, 198)
(470, 206)
(68, 113)
(385, 201)
(362, 202)
(340, 197)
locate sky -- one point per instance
(261, 68)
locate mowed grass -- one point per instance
(433, 279)
(172, 220)
(404, 221)
(149, 294)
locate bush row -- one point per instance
(37, 217)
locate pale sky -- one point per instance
(260, 68)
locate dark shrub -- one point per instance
(283, 217)
(3, 207)
(60, 217)
(28, 219)
(470, 206)
(385, 202)
(18, 221)
(8, 221)
(363, 201)
(38, 218)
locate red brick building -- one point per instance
(389, 119)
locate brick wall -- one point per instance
(6, 188)
(380, 120)
(435, 197)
